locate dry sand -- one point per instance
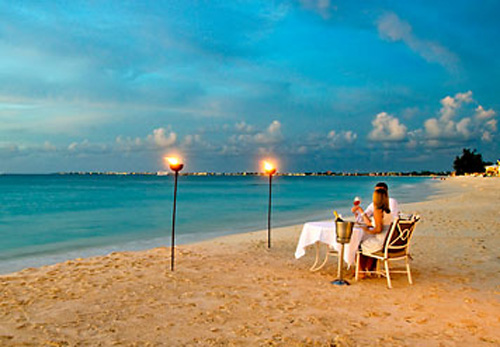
(234, 291)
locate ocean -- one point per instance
(46, 219)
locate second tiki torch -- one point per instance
(176, 166)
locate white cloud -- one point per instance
(274, 128)
(341, 139)
(323, 7)
(251, 140)
(271, 135)
(459, 119)
(244, 127)
(481, 113)
(432, 127)
(160, 138)
(196, 141)
(486, 136)
(392, 28)
(463, 127)
(450, 105)
(86, 147)
(190, 140)
(387, 128)
(75, 145)
(492, 124)
(230, 150)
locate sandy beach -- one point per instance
(235, 291)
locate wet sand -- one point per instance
(235, 291)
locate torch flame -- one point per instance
(172, 160)
(268, 166)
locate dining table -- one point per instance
(322, 235)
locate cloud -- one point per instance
(392, 28)
(160, 138)
(387, 128)
(459, 119)
(486, 136)
(432, 127)
(13, 150)
(317, 143)
(341, 139)
(248, 139)
(463, 127)
(323, 7)
(190, 140)
(85, 147)
(450, 105)
(481, 113)
(492, 124)
(244, 127)
(271, 135)
(196, 142)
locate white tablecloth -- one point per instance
(324, 232)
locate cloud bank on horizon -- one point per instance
(318, 84)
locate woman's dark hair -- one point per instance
(381, 185)
(381, 200)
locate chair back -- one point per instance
(397, 241)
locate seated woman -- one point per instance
(376, 228)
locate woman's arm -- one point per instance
(365, 218)
(378, 216)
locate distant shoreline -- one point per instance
(287, 174)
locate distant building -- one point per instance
(493, 170)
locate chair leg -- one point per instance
(377, 268)
(386, 263)
(357, 267)
(408, 271)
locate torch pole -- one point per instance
(269, 213)
(173, 222)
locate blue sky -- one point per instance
(316, 84)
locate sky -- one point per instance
(315, 85)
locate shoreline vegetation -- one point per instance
(233, 290)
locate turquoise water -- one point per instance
(51, 218)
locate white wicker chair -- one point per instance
(396, 247)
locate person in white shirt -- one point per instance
(377, 219)
(393, 204)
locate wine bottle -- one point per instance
(338, 218)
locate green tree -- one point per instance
(468, 162)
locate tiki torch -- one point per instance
(270, 170)
(176, 166)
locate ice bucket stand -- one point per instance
(344, 232)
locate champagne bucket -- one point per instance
(344, 231)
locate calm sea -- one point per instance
(51, 218)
